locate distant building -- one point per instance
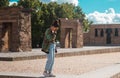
(103, 34)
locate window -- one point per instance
(96, 33)
(116, 32)
(101, 33)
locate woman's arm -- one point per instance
(50, 36)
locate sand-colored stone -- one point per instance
(15, 27)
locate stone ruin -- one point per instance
(103, 35)
(15, 29)
(71, 33)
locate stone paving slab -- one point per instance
(110, 71)
(106, 72)
(37, 54)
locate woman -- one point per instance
(48, 47)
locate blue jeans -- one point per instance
(50, 58)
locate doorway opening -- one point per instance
(108, 36)
(6, 36)
(68, 37)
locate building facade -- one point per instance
(15, 29)
(71, 35)
(103, 34)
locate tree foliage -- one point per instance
(86, 25)
(44, 14)
(36, 19)
(35, 4)
(4, 3)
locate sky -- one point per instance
(98, 11)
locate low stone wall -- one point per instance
(116, 75)
(40, 55)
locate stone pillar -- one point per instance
(0, 36)
(25, 32)
(79, 35)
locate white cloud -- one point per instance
(108, 17)
(75, 2)
(12, 3)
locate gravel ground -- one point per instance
(74, 65)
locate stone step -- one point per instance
(106, 72)
(30, 75)
(18, 75)
(37, 54)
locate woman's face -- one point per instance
(54, 28)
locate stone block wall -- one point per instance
(15, 29)
(86, 37)
(71, 33)
(91, 39)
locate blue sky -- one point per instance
(90, 6)
(98, 11)
(13, 0)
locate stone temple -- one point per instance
(15, 29)
(15, 32)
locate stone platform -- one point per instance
(62, 52)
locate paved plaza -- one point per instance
(84, 66)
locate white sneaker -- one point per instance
(46, 74)
(51, 75)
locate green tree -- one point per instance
(44, 15)
(78, 13)
(51, 7)
(37, 28)
(36, 20)
(86, 25)
(34, 4)
(65, 10)
(4, 3)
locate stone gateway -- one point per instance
(71, 33)
(15, 29)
